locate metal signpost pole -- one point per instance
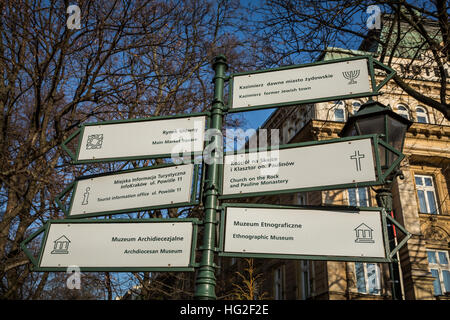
(384, 199)
(206, 280)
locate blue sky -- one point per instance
(254, 119)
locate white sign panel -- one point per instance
(142, 138)
(300, 84)
(304, 232)
(302, 167)
(133, 190)
(102, 245)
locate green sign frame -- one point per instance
(372, 63)
(380, 174)
(385, 218)
(45, 228)
(80, 132)
(73, 186)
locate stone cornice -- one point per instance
(427, 131)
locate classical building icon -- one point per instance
(351, 75)
(94, 141)
(61, 245)
(364, 234)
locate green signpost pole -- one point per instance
(384, 199)
(206, 280)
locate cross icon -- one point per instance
(357, 156)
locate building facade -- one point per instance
(421, 201)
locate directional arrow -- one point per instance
(116, 245)
(319, 233)
(149, 138)
(322, 165)
(164, 186)
(328, 80)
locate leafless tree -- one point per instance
(296, 31)
(129, 59)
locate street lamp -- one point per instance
(376, 118)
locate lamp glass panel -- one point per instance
(396, 133)
(350, 131)
(371, 125)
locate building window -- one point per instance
(440, 270)
(339, 111)
(358, 197)
(368, 278)
(339, 115)
(426, 194)
(299, 123)
(305, 279)
(355, 106)
(288, 131)
(422, 115)
(291, 132)
(403, 111)
(301, 198)
(278, 283)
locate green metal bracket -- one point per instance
(64, 144)
(396, 163)
(200, 248)
(408, 235)
(390, 75)
(58, 199)
(23, 245)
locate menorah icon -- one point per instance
(351, 75)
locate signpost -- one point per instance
(307, 83)
(267, 231)
(315, 234)
(157, 137)
(132, 190)
(117, 245)
(330, 164)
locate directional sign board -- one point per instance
(308, 83)
(138, 139)
(325, 165)
(321, 234)
(132, 190)
(118, 245)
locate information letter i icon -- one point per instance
(86, 196)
